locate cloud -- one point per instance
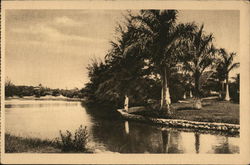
(66, 21)
(47, 33)
(78, 26)
(54, 47)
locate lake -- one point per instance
(43, 119)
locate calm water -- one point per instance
(44, 119)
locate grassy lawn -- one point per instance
(212, 111)
(14, 144)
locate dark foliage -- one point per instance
(234, 89)
(76, 142)
(150, 54)
(38, 91)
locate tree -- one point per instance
(198, 57)
(9, 88)
(56, 92)
(121, 73)
(226, 65)
(186, 80)
(220, 75)
(159, 35)
(97, 72)
(234, 88)
(125, 63)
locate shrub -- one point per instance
(74, 143)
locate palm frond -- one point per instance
(235, 65)
(198, 37)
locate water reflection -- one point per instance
(108, 132)
(44, 119)
(165, 141)
(38, 103)
(133, 137)
(126, 127)
(197, 142)
(223, 146)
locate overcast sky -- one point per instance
(54, 47)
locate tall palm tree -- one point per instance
(159, 36)
(198, 57)
(124, 76)
(226, 64)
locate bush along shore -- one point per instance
(231, 128)
(67, 143)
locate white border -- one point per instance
(242, 158)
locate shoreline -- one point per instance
(20, 144)
(180, 123)
(45, 99)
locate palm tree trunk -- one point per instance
(227, 97)
(190, 93)
(222, 89)
(162, 96)
(126, 101)
(197, 86)
(165, 100)
(197, 102)
(184, 95)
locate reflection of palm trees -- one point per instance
(141, 138)
(126, 127)
(197, 142)
(171, 141)
(165, 141)
(224, 147)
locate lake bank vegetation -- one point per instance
(67, 142)
(156, 62)
(16, 144)
(23, 91)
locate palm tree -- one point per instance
(198, 57)
(226, 64)
(159, 35)
(125, 63)
(220, 76)
(186, 80)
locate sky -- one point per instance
(54, 47)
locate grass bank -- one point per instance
(15, 144)
(212, 111)
(68, 142)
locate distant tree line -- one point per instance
(38, 91)
(155, 59)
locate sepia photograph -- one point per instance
(142, 81)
